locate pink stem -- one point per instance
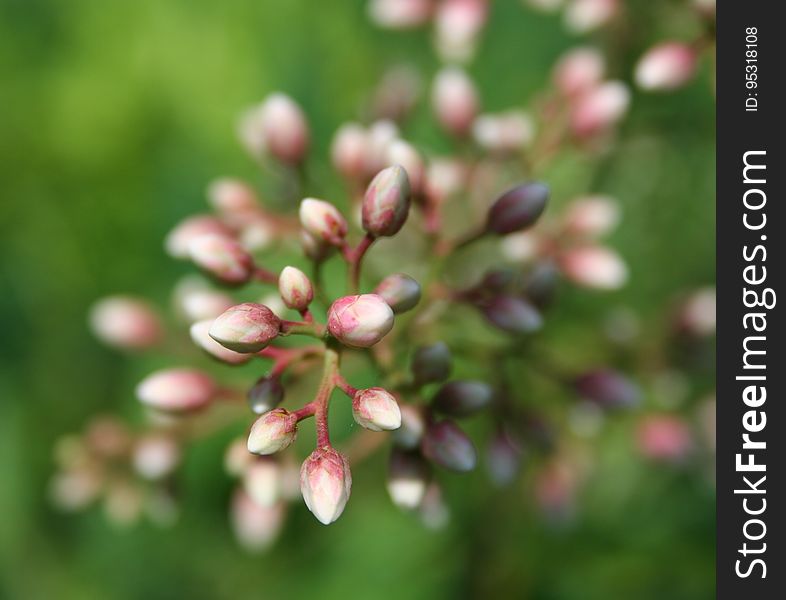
(344, 386)
(322, 399)
(354, 258)
(265, 276)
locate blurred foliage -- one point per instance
(114, 116)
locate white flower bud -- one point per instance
(325, 482)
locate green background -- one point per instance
(114, 116)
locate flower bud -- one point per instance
(313, 248)
(256, 527)
(272, 432)
(232, 197)
(295, 288)
(697, 315)
(518, 208)
(408, 478)
(455, 100)
(125, 323)
(381, 135)
(521, 246)
(400, 291)
(463, 398)
(503, 458)
(431, 363)
(262, 481)
(399, 14)
(434, 513)
(457, 24)
(349, 150)
(444, 178)
(323, 221)
(582, 16)
(285, 129)
(664, 437)
(578, 71)
(396, 95)
(360, 321)
(176, 390)
(504, 133)
(404, 154)
(666, 66)
(386, 203)
(195, 301)
(265, 395)
(512, 314)
(257, 232)
(413, 426)
(200, 335)
(376, 409)
(325, 482)
(237, 458)
(594, 267)
(155, 456)
(222, 257)
(592, 216)
(246, 328)
(75, 489)
(180, 238)
(448, 446)
(599, 108)
(123, 503)
(608, 389)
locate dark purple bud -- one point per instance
(448, 446)
(541, 283)
(431, 363)
(463, 398)
(608, 388)
(265, 395)
(512, 314)
(517, 208)
(497, 280)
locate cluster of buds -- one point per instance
(406, 198)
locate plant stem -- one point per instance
(312, 329)
(354, 258)
(265, 276)
(322, 399)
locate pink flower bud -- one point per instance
(285, 129)
(512, 314)
(504, 133)
(400, 291)
(404, 154)
(578, 71)
(323, 221)
(444, 178)
(408, 479)
(262, 481)
(313, 248)
(697, 315)
(75, 489)
(265, 395)
(455, 100)
(195, 301)
(232, 197)
(180, 238)
(594, 267)
(360, 321)
(222, 258)
(457, 24)
(246, 328)
(599, 108)
(608, 389)
(123, 503)
(376, 409)
(666, 66)
(381, 135)
(295, 288)
(256, 527)
(349, 151)
(107, 437)
(125, 323)
(386, 203)
(431, 363)
(325, 482)
(463, 398)
(399, 14)
(664, 437)
(413, 426)
(272, 432)
(582, 16)
(155, 456)
(592, 216)
(517, 208)
(200, 335)
(176, 390)
(397, 94)
(448, 446)
(237, 458)
(256, 232)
